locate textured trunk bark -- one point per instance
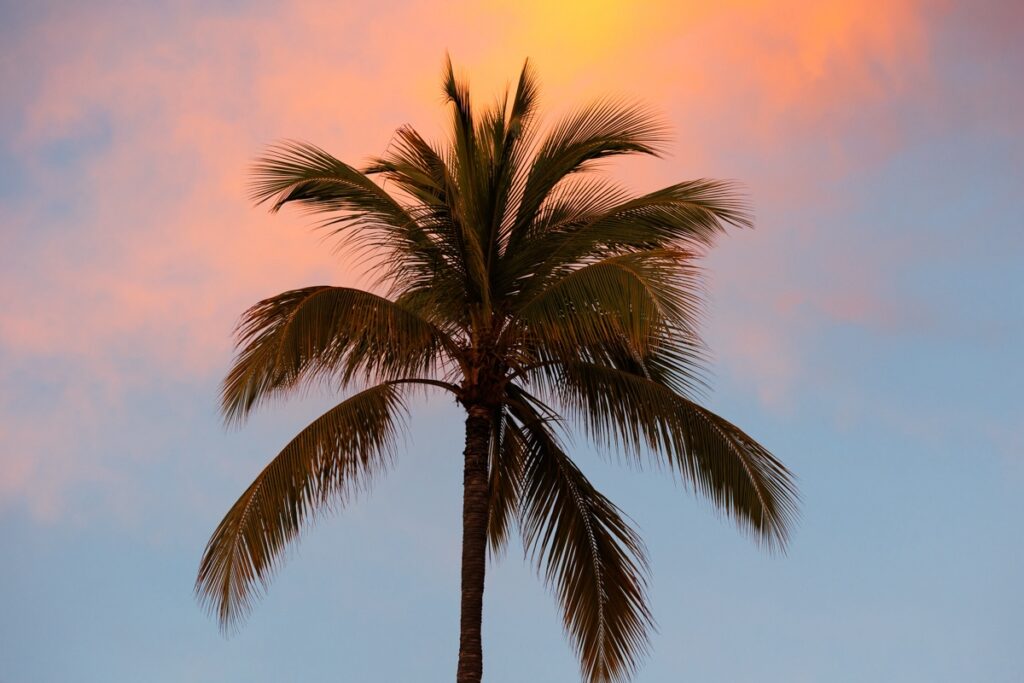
(475, 504)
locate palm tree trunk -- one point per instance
(475, 505)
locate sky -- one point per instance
(868, 331)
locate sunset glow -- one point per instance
(868, 330)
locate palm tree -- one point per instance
(540, 295)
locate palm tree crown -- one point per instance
(541, 295)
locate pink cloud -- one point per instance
(164, 251)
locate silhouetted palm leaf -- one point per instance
(587, 551)
(337, 332)
(336, 455)
(638, 415)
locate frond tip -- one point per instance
(723, 463)
(586, 550)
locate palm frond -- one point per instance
(327, 332)
(524, 103)
(629, 301)
(587, 552)
(419, 170)
(575, 201)
(416, 167)
(509, 132)
(363, 215)
(603, 129)
(685, 216)
(439, 302)
(681, 215)
(723, 463)
(468, 163)
(332, 458)
(505, 470)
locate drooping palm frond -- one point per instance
(326, 332)
(332, 458)
(586, 551)
(722, 462)
(505, 469)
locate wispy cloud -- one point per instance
(133, 248)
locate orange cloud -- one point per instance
(162, 250)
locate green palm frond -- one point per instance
(416, 167)
(363, 215)
(508, 132)
(573, 203)
(421, 172)
(294, 171)
(332, 458)
(468, 218)
(601, 130)
(456, 92)
(506, 472)
(589, 218)
(682, 216)
(524, 103)
(587, 552)
(326, 332)
(723, 463)
(627, 302)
